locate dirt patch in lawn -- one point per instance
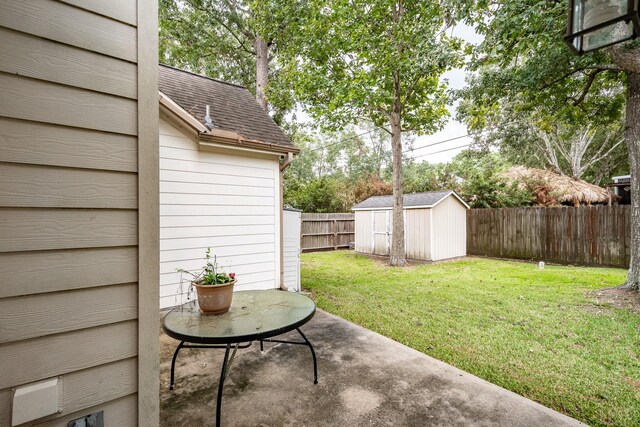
(617, 298)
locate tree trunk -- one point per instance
(262, 71)
(632, 137)
(397, 256)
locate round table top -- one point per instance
(253, 315)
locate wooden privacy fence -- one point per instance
(597, 235)
(326, 231)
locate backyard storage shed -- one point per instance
(79, 212)
(435, 225)
(220, 183)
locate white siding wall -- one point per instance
(418, 233)
(449, 229)
(74, 82)
(364, 231)
(291, 222)
(226, 202)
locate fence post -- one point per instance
(335, 234)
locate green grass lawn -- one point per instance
(543, 334)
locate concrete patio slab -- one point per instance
(365, 379)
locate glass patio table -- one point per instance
(253, 316)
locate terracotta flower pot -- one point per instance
(214, 299)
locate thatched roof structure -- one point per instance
(552, 188)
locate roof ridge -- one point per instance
(202, 76)
(411, 200)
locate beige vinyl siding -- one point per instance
(449, 229)
(70, 226)
(418, 233)
(71, 25)
(25, 54)
(224, 201)
(58, 270)
(364, 230)
(41, 101)
(44, 144)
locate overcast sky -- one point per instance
(453, 128)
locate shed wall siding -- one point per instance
(364, 231)
(69, 195)
(417, 234)
(223, 201)
(449, 229)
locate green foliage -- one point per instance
(474, 175)
(544, 334)
(523, 58)
(206, 37)
(344, 66)
(527, 81)
(482, 185)
(335, 168)
(423, 177)
(320, 195)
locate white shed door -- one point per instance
(381, 231)
(291, 221)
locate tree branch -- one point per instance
(591, 77)
(609, 151)
(599, 68)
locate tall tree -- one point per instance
(381, 60)
(234, 40)
(523, 56)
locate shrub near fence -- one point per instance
(596, 235)
(327, 231)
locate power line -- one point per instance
(424, 146)
(351, 138)
(442, 151)
(441, 142)
(462, 136)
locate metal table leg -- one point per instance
(173, 363)
(313, 354)
(223, 375)
(226, 366)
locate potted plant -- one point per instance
(214, 287)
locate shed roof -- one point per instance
(232, 107)
(414, 200)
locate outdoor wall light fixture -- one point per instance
(594, 24)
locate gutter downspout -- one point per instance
(285, 164)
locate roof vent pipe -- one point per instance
(208, 122)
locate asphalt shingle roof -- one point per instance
(408, 200)
(232, 107)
